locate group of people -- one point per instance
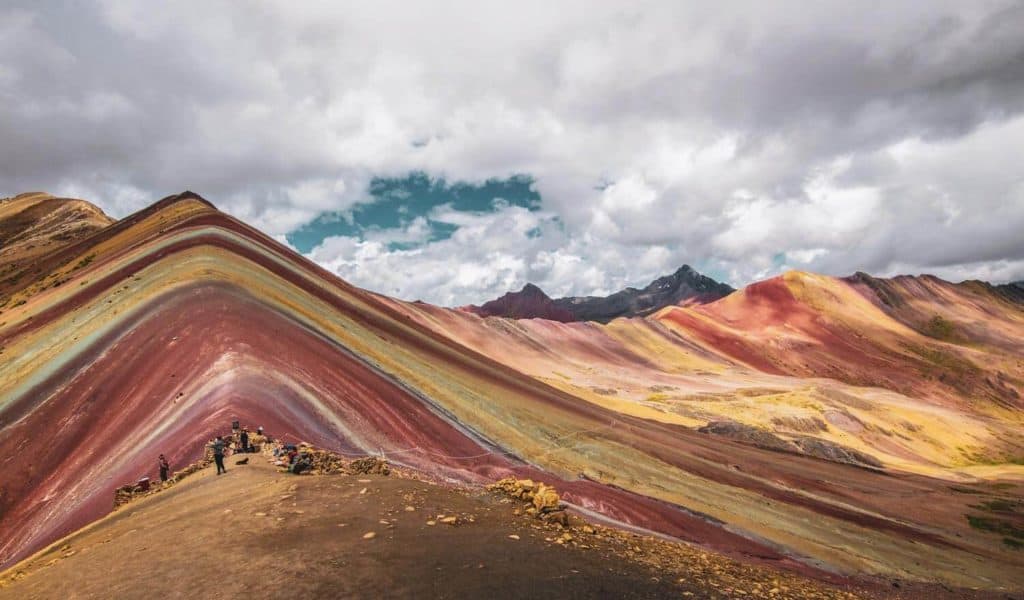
(223, 446)
(246, 443)
(289, 456)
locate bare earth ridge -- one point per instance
(258, 532)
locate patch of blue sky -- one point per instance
(395, 203)
(715, 269)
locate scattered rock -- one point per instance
(558, 516)
(369, 535)
(450, 520)
(513, 537)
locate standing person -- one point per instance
(218, 454)
(245, 440)
(164, 468)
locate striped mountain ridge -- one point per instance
(839, 405)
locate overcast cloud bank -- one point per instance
(740, 139)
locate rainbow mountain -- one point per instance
(856, 427)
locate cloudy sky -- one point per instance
(453, 151)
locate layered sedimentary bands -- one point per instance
(853, 427)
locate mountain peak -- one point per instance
(531, 290)
(685, 285)
(528, 303)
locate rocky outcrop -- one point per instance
(685, 286)
(749, 434)
(806, 445)
(831, 451)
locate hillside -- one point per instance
(797, 421)
(276, 535)
(38, 225)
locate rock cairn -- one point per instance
(541, 500)
(370, 465)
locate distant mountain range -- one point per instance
(685, 286)
(1013, 290)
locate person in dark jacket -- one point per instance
(218, 446)
(245, 440)
(303, 463)
(164, 468)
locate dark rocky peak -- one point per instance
(528, 303)
(685, 285)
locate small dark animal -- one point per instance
(242, 461)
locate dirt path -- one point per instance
(257, 533)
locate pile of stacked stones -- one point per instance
(369, 465)
(324, 462)
(542, 500)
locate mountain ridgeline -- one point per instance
(685, 286)
(801, 416)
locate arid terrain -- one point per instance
(851, 431)
(260, 532)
